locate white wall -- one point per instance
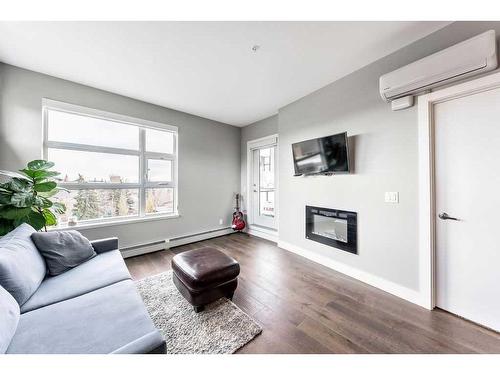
(209, 152)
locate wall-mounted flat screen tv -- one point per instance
(327, 155)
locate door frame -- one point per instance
(270, 140)
(426, 177)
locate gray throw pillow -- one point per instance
(63, 250)
(22, 268)
(9, 318)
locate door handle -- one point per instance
(445, 216)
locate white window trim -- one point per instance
(144, 156)
(254, 144)
(90, 224)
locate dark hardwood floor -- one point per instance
(304, 307)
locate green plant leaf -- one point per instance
(59, 208)
(49, 194)
(45, 203)
(23, 199)
(18, 185)
(50, 218)
(45, 186)
(35, 219)
(40, 203)
(5, 196)
(39, 174)
(29, 172)
(12, 213)
(6, 226)
(40, 164)
(45, 175)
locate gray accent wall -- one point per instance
(384, 145)
(209, 152)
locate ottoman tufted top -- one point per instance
(204, 268)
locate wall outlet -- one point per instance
(221, 221)
(391, 197)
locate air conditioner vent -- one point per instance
(470, 57)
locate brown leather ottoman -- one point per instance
(204, 275)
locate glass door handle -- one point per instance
(445, 216)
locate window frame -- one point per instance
(143, 184)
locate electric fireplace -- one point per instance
(332, 227)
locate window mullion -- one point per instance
(159, 184)
(98, 186)
(175, 171)
(90, 148)
(159, 156)
(142, 172)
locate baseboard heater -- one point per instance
(150, 247)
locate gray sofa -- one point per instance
(92, 308)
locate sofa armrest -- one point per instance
(106, 244)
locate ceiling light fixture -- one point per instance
(255, 48)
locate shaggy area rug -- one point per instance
(222, 328)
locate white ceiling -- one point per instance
(206, 68)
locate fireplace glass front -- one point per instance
(332, 227)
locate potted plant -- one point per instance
(26, 197)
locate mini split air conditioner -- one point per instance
(470, 57)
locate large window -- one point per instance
(115, 167)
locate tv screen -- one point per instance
(321, 155)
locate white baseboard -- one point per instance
(269, 235)
(143, 249)
(400, 291)
(182, 240)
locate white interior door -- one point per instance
(263, 186)
(467, 170)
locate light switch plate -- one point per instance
(391, 197)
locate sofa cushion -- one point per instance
(102, 270)
(63, 250)
(22, 268)
(102, 321)
(9, 318)
(105, 244)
